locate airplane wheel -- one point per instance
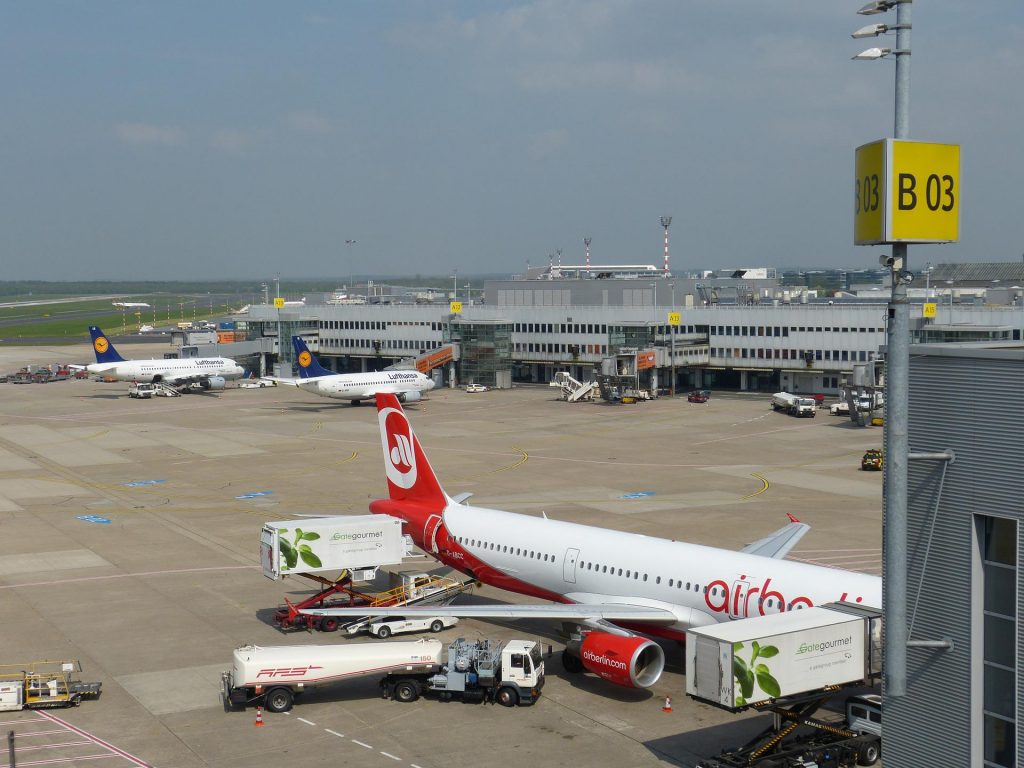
(571, 663)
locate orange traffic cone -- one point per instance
(259, 716)
(668, 704)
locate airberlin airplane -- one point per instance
(612, 585)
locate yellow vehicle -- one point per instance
(872, 460)
(43, 684)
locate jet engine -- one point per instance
(412, 396)
(214, 382)
(629, 661)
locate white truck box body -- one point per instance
(11, 695)
(315, 545)
(797, 651)
(314, 664)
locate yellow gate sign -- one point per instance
(279, 302)
(455, 307)
(906, 192)
(929, 310)
(675, 318)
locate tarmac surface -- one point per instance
(160, 581)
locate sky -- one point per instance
(156, 140)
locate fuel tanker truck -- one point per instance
(508, 673)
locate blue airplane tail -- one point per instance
(308, 366)
(103, 347)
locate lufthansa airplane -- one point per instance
(612, 584)
(408, 386)
(201, 372)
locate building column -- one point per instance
(743, 381)
(362, 365)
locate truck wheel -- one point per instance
(437, 625)
(571, 663)
(75, 700)
(278, 700)
(384, 632)
(328, 624)
(507, 697)
(868, 753)
(406, 692)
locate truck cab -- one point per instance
(522, 667)
(141, 389)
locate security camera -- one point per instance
(890, 261)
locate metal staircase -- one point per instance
(572, 390)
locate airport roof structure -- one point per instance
(979, 274)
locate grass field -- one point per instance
(71, 320)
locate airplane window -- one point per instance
(705, 590)
(645, 578)
(532, 553)
(620, 571)
(671, 582)
(604, 569)
(657, 580)
(627, 574)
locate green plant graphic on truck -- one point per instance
(747, 673)
(294, 550)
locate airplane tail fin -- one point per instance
(410, 476)
(102, 346)
(308, 366)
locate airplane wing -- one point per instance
(778, 544)
(570, 612)
(282, 380)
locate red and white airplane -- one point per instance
(609, 583)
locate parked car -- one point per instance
(839, 409)
(697, 397)
(476, 388)
(393, 625)
(872, 460)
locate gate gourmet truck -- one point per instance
(509, 673)
(790, 664)
(330, 544)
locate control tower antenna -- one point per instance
(586, 243)
(665, 222)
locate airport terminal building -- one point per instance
(736, 332)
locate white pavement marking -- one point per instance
(95, 740)
(51, 746)
(361, 744)
(388, 754)
(62, 760)
(304, 720)
(129, 575)
(19, 722)
(335, 733)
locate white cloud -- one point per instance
(147, 133)
(307, 122)
(233, 140)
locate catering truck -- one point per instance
(794, 405)
(509, 673)
(320, 544)
(790, 664)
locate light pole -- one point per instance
(672, 330)
(897, 375)
(586, 244)
(665, 222)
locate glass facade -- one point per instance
(997, 538)
(486, 348)
(630, 336)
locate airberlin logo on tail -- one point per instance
(305, 359)
(399, 454)
(101, 344)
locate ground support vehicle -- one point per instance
(414, 589)
(697, 397)
(790, 664)
(386, 626)
(44, 684)
(509, 674)
(141, 390)
(794, 405)
(475, 671)
(872, 460)
(797, 739)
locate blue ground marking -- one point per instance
(136, 483)
(94, 519)
(638, 495)
(254, 495)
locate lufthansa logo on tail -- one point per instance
(101, 344)
(399, 452)
(305, 359)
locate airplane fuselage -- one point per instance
(363, 386)
(572, 563)
(170, 371)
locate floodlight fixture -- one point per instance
(872, 54)
(871, 30)
(877, 6)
